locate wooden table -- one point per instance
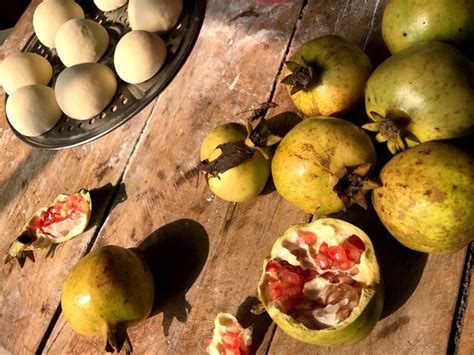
(212, 252)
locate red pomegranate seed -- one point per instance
(352, 252)
(231, 341)
(323, 248)
(291, 278)
(276, 290)
(323, 261)
(337, 254)
(273, 268)
(354, 272)
(357, 242)
(308, 237)
(310, 274)
(346, 265)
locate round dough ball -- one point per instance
(154, 15)
(109, 5)
(50, 15)
(21, 69)
(32, 110)
(84, 90)
(138, 56)
(81, 41)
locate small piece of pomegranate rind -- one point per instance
(229, 337)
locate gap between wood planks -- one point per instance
(461, 304)
(114, 199)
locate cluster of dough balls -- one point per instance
(143, 45)
(85, 87)
(31, 106)
(50, 15)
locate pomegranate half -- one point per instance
(322, 284)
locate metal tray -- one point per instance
(129, 98)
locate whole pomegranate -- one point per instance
(321, 283)
(406, 22)
(326, 76)
(426, 200)
(106, 292)
(420, 94)
(320, 165)
(235, 171)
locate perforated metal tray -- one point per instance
(129, 99)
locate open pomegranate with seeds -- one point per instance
(322, 284)
(229, 338)
(64, 219)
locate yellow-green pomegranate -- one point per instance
(406, 22)
(244, 173)
(106, 292)
(426, 200)
(321, 164)
(326, 76)
(420, 94)
(321, 283)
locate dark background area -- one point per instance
(11, 11)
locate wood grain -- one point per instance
(231, 69)
(31, 178)
(206, 254)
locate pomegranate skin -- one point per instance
(106, 292)
(363, 317)
(426, 198)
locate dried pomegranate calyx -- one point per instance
(229, 337)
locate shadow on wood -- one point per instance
(401, 267)
(260, 323)
(101, 199)
(176, 254)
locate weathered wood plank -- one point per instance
(31, 178)
(231, 69)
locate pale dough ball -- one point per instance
(50, 15)
(154, 15)
(138, 56)
(20, 69)
(109, 5)
(32, 110)
(84, 90)
(81, 41)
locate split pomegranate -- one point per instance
(229, 337)
(64, 219)
(57, 220)
(321, 277)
